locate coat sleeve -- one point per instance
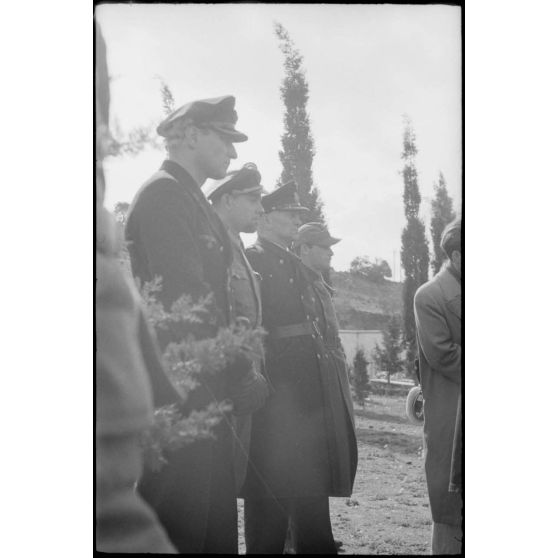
(166, 226)
(434, 337)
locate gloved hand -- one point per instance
(248, 393)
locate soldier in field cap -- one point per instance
(174, 232)
(303, 446)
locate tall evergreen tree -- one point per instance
(297, 151)
(442, 214)
(414, 246)
(388, 357)
(361, 382)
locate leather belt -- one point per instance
(292, 330)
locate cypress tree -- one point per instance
(388, 357)
(297, 143)
(414, 246)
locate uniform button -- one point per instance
(221, 249)
(281, 261)
(291, 280)
(307, 317)
(319, 356)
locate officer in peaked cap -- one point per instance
(303, 447)
(217, 113)
(237, 200)
(237, 182)
(174, 232)
(284, 198)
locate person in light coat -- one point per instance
(438, 321)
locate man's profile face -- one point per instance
(285, 224)
(317, 257)
(215, 152)
(244, 211)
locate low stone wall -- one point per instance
(381, 387)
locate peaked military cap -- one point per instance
(217, 113)
(284, 198)
(241, 181)
(315, 233)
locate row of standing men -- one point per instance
(289, 443)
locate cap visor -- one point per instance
(235, 136)
(253, 190)
(292, 208)
(333, 241)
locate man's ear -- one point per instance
(226, 200)
(191, 135)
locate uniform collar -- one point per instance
(183, 177)
(317, 277)
(269, 243)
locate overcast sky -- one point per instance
(366, 66)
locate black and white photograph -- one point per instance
(234, 309)
(278, 293)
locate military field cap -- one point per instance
(284, 198)
(315, 233)
(217, 113)
(242, 181)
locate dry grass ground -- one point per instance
(388, 512)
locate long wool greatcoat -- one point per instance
(438, 321)
(303, 440)
(173, 232)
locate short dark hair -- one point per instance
(451, 237)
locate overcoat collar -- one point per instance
(276, 249)
(451, 290)
(315, 276)
(183, 177)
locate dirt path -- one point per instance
(388, 512)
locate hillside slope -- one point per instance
(361, 304)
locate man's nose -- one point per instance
(232, 152)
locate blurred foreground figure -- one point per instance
(237, 200)
(124, 407)
(174, 233)
(438, 321)
(303, 446)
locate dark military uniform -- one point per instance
(246, 303)
(303, 447)
(176, 234)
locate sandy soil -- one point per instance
(388, 512)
